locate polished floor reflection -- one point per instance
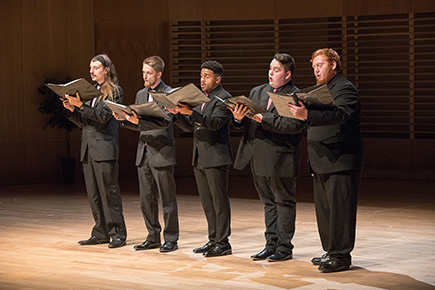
(41, 224)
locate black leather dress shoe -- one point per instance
(116, 243)
(262, 255)
(93, 241)
(329, 265)
(319, 260)
(169, 247)
(147, 245)
(279, 257)
(204, 248)
(217, 251)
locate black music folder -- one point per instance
(254, 108)
(86, 90)
(188, 94)
(150, 109)
(317, 96)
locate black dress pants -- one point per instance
(335, 199)
(104, 195)
(278, 197)
(155, 183)
(213, 187)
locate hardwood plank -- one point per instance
(41, 224)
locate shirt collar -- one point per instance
(281, 88)
(156, 89)
(211, 93)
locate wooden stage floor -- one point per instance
(41, 224)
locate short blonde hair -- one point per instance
(156, 62)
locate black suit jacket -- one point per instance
(210, 126)
(156, 140)
(273, 145)
(334, 136)
(99, 129)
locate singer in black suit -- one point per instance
(335, 152)
(99, 154)
(211, 157)
(270, 144)
(155, 160)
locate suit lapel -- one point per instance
(206, 105)
(333, 82)
(212, 98)
(143, 96)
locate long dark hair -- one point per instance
(111, 80)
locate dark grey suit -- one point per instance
(272, 150)
(155, 160)
(335, 154)
(99, 154)
(211, 160)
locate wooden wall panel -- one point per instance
(422, 6)
(12, 153)
(375, 7)
(308, 8)
(51, 38)
(12, 167)
(423, 155)
(44, 41)
(132, 11)
(185, 10)
(128, 44)
(46, 162)
(387, 153)
(238, 10)
(11, 74)
(399, 159)
(81, 40)
(55, 45)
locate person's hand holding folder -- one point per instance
(240, 111)
(317, 96)
(299, 111)
(184, 109)
(131, 118)
(76, 101)
(134, 112)
(67, 104)
(70, 102)
(188, 95)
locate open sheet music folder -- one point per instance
(314, 96)
(188, 94)
(84, 88)
(150, 109)
(254, 108)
